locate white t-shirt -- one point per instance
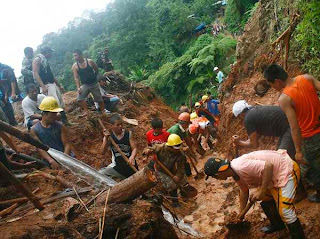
(30, 107)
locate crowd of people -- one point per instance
(276, 173)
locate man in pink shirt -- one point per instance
(275, 174)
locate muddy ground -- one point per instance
(141, 219)
(216, 200)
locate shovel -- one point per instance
(186, 191)
(77, 167)
(241, 217)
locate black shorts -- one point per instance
(286, 142)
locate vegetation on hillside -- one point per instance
(307, 37)
(153, 41)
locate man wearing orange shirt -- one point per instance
(300, 102)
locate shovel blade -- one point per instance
(189, 192)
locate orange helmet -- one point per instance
(184, 117)
(193, 128)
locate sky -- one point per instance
(25, 22)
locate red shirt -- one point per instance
(157, 139)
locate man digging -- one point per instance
(275, 175)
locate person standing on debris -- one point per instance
(171, 156)
(110, 101)
(124, 139)
(49, 85)
(26, 69)
(220, 77)
(104, 62)
(9, 91)
(274, 173)
(50, 132)
(30, 105)
(157, 135)
(300, 102)
(86, 71)
(184, 108)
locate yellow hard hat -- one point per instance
(174, 141)
(193, 115)
(50, 104)
(204, 98)
(197, 104)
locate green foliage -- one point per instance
(308, 37)
(235, 15)
(138, 75)
(152, 39)
(193, 71)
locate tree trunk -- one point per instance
(130, 188)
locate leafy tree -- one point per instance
(307, 38)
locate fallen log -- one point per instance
(130, 188)
(28, 158)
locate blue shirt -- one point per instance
(220, 76)
(213, 107)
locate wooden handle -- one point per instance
(22, 135)
(101, 124)
(118, 148)
(244, 211)
(164, 168)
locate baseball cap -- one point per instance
(216, 68)
(215, 165)
(239, 107)
(45, 49)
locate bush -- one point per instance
(307, 38)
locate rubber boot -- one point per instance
(174, 194)
(296, 230)
(271, 211)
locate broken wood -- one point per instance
(104, 214)
(16, 200)
(57, 178)
(27, 157)
(285, 36)
(6, 173)
(23, 210)
(15, 205)
(131, 188)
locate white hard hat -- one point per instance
(215, 68)
(239, 107)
